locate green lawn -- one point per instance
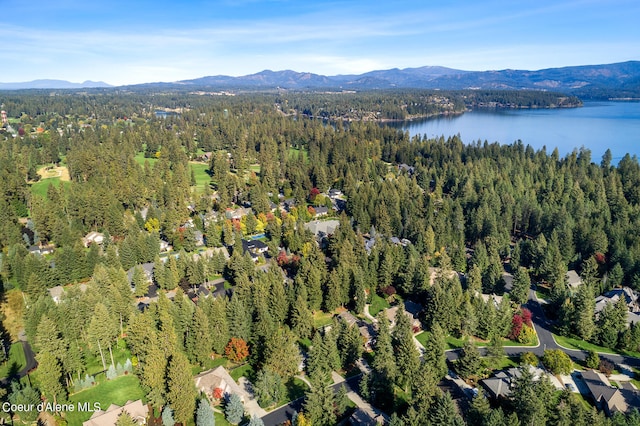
(423, 337)
(571, 343)
(294, 153)
(40, 187)
(320, 319)
(242, 371)
(377, 304)
(202, 177)
(16, 361)
(457, 343)
(94, 363)
(117, 391)
(140, 159)
(505, 362)
(220, 420)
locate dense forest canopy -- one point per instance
(424, 204)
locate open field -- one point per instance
(16, 361)
(61, 172)
(117, 391)
(202, 176)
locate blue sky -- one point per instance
(136, 41)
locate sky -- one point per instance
(137, 41)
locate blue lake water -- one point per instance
(596, 126)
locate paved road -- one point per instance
(284, 413)
(543, 328)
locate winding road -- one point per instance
(546, 341)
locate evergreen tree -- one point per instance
(319, 405)
(443, 411)
(199, 341)
(406, 353)
(204, 414)
(469, 363)
(181, 391)
(301, 317)
(269, 388)
(233, 410)
(255, 421)
(50, 377)
(434, 354)
(167, 416)
(521, 284)
(124, 419)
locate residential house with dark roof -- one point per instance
(609, 398)
(255, 248)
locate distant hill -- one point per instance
(52, 84)
(588, 81)
(610, 79)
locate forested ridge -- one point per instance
(423, 207)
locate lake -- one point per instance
(596, 125)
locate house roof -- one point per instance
(326, 226)
(497, 387)
(361, 417)
(218, 378)
(573, 279)
(347, 317)
(136, 409)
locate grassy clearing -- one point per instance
(504, 362)
(377, 304)
(320, 319)
(16, 361)
(571, 343)
(295, 152)
(94, 363)
(202, 177)
(40, 188)
(13, 309)
(117, 391)
(220, 420)
(140, 159)
(242, 371)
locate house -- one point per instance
(406, 168)
(630, 297)
(208, 381)
(199, 237)
(391, 316)
(334, 193)
(136, 409)
(147, 268)
(608, 398)
(321, 211)
(348, 318)
(237, 213)
(365, 331)
(573, 280)
(500, 384)
(255, 248)
(93, 238)
(362, 417)
(56, 293)
(325, 227)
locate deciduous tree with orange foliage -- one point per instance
(236, 350)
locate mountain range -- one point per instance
(53, 84)
(619, 79)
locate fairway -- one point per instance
(40, 188)
(202, 177)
